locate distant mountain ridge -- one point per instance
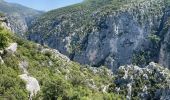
(19, 16)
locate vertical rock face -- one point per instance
(123, 36)
(164, 58)
(109, 36)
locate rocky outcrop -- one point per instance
(55, 53)
(32, 85)
(4, 22)
(150, 82)
(110, 36)
(12, 48)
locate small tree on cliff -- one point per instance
(5, 37)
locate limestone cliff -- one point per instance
(105, 32)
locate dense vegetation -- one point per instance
(5, 37)
(11, 86)
(61, 79)
(64, 80)
(58, 78)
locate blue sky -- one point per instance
(45, 5)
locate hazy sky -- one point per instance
(45, 4)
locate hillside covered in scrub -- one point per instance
(94, 50)
(29, 70)
(107, 32)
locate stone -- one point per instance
(24, 65)
(12, 48)
(32, 85)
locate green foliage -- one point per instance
(56, 88)
(80, 19)
(154, 39)
(167, 2)
(145, 81)
(141, 58)
(84, 18)
(11, 86)
(5, 36)
(58, 79)
(2, 14)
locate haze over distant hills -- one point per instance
(19, 16)
(45, 5)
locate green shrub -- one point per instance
(5, 37)
(55, 88)
(11, 86)
(2, 14)
(154, 39)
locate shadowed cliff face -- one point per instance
(111, 35)
(164, 56)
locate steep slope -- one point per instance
(18, 16)
(104, 32)
(34, 72)
(164, 55)
(31, 71)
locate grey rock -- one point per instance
(32, 85)
(114, 38)
(12, 48)
(131, 77)
(164, 58)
